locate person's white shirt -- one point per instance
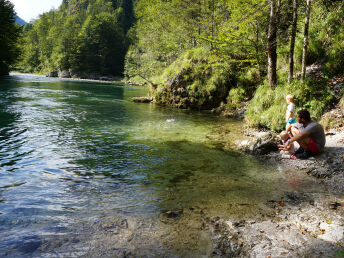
(290, 109)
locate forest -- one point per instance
(207, 54)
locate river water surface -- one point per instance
(85, 171)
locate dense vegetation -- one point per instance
(82, 37)
(9, 33)
(199, 54)
(247, 46)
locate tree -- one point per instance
(81, 36)
(272, 45)
(103, 42)
(292, 41)
(9, 35)
(305, 40)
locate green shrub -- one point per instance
(268, 106)
(236, 96)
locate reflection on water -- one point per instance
(83, 170)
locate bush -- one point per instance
(268, 107)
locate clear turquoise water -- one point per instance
(74, 154)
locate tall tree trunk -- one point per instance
(257, 48)
(272, 45)
(212, 23)
(305, 40)
(292, 41)
(278, 11)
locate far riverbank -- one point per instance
(115, 81)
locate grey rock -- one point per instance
(264, 144)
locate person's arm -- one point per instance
(289, 128)
(298, 137)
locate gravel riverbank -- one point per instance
(301, 224)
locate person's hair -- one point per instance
(304, 113)
(284, 134)
(290, 97)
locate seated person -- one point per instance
(288, 148)
(294, 129)
(311, 139)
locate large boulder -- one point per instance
(261, 143)
(265, 144)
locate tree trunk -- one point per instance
(257, 48)
(272, 45)
(305, 40)
(292, 41)
(212, 23)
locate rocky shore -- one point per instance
(81, 75)
(301, 224)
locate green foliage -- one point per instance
(82, 37)
(340, 253)
(202, 80)
(326, 37)
(268, 106)
(9, 35)
(235, 98)
(102, 45)
(234, 31)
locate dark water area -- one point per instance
(86, 172)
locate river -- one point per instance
(84, 171)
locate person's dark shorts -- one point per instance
(313, 146)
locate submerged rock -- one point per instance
(172, 214)
(142, 99)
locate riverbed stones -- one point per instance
(298, 229)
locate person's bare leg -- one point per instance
(294, 131)
(304, 143)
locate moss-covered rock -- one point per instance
(196, 80)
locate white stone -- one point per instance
(333, 232)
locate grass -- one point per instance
(268, 106)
